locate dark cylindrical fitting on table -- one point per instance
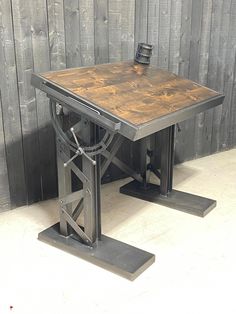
(143, 53)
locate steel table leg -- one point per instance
(87, 241)
(164, 194)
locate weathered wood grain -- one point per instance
(153, 28)
(128, 26)
(141, 22)
(218, 63)
(56, 30)
(24, 60)
(185, 30)
(233, 113)
(232, 109)
(86, 8)
(164, 34)
(72, 33)
(175, 36)
(203, 121)
(115, 30)
(5, 201)
(10, 109)
(130, 91)
(152, 38)
(194, 60)
(188, 127)
(101, 31)
(214, 57)
(225, 126)
(41, 62)
(181, 138)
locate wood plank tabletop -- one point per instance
(130, 91)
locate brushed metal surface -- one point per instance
(185, 202)
(110, 254)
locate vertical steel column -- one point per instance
(91, 188)
(167, 159)
(64, 187)
(146, 158)
(98, 187)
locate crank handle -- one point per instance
(72, 158)
(87, 156)
(80, 152)
(80, 149)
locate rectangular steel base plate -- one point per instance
(113, 255)
(189, 203)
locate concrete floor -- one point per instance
(195, 268)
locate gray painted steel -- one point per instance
(185, 202)
(113, 255)
(87, 241)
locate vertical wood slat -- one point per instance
(25, 66)
(5, 202)
(214, 52)
(115, 30)
(181, 139)
(232, 119)
(175, 32)
(72, 33)
(141, 22)
(101, 31)
(203, 121)
(225, 125)
(56, 29)
(233, 113)
(187, 147)
(153, 28)
(10, 108)
(164, 34)
(79, 32)
(217, 61)
(121, 30)
(41, 61)
(86, 8)
(127, 27)
(194, 61)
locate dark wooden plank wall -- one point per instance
(195, 39)
(4, 183)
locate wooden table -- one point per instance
(115, 101)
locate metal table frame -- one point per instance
(87, 241)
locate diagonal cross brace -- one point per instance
(113, 151)
(121, 165)
(78, 209)
(74, 168)
(76, 228)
